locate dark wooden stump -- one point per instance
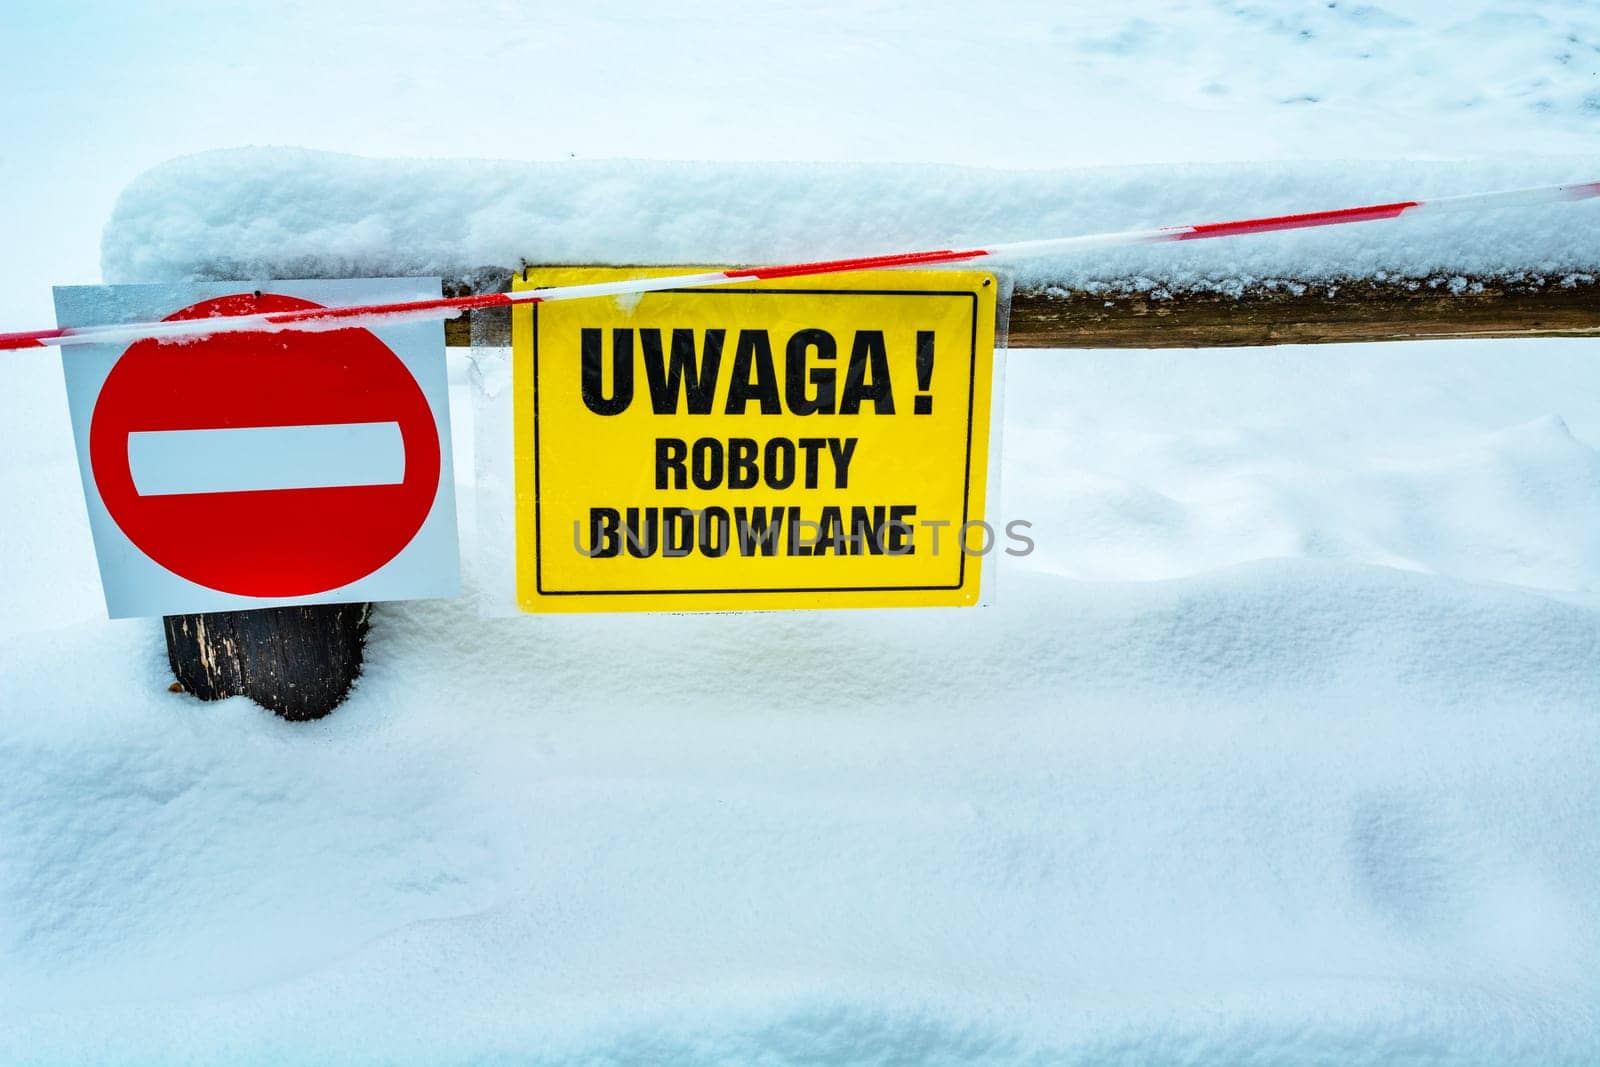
(299, 661)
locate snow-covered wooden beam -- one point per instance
(1283, 313)
(1516, 271)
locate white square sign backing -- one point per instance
(247, 470)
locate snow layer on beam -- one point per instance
(288, 212)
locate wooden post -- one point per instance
(298, 661)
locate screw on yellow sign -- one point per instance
(803, 443)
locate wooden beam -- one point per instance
(1283, 314)
(1352, 311)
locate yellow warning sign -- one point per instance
(799, 443)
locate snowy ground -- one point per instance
(1324, 793)
(1281, 748)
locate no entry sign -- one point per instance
(792, 443)
(244, 470)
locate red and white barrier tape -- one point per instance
(422, 310)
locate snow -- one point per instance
(1332, 806)
(1280, 748)
(270, 213)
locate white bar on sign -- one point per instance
(251, 458)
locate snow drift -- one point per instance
(1336, 806)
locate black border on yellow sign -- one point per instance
(966, 482)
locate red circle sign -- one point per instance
(265, 542)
